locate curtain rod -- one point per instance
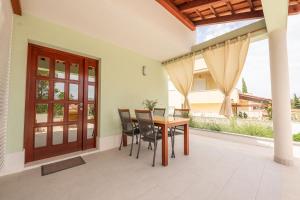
(199, 51)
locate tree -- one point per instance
(296, 102)
(268, 108)
(244, 86)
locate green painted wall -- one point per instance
(122, 83)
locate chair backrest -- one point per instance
(159, 112)
(184, 113)
(145, 121)
(125, 120)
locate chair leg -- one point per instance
(155, 147)
(131, 145)
(121, 142)
(150, 146)
(173, 143)
(138, 153)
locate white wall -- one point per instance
(6, 19)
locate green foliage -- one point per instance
(150, 104)
(42, 89)
(254, 130)
(240, 114)
(243, 115)
(185, 114)
(233, 122)
(60, 95)
(244, 86)
(58, 109)
(268, 108)
(205, 125)
(296, 137)
(41, 108)
(296, 102)
(250, 128)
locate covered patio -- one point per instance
(68, 68)
(216, 169)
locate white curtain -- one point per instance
(225, 64)
(181, 74)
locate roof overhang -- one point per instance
(257, 30)
(193, 13)
(16, 7)
(253, 98)
(143, 27)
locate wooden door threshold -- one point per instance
(38, 163)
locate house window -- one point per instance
(199, 84)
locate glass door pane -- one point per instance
(57, 135)
(72, 133)
(60, 68)
(42, 89)
(61, 105)
(43, 67)
(90, 103)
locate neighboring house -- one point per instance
(253, 106)
(206, 100)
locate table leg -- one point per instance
(164, 145)
(124, 140)
(186, 140)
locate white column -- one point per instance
(281, 106)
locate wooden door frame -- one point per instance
(95, 63)
(29, 107)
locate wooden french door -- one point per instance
(61, 103)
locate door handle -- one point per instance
(81, 106)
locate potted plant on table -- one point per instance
(150, 104)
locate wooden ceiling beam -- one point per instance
(199, 14)
(247, 9)
(294, 9)
(213, 11)
(230, 18)
(16, 7)
(250, 4)
(196, 4)
(229, 6)
(167, 4)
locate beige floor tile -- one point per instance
(215, 169)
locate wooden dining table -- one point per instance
(165, 123)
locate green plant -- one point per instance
(244, 86)
(253, 129)
(150, 104)
(233, 122)
(233, 127)
(295, 102)
(205, 125)
(240, 114)
(268, 108)
(296, 137)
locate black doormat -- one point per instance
(62, 165)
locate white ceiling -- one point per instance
(140, 25)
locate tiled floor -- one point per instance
(215, 169)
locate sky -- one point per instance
(256, 71)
